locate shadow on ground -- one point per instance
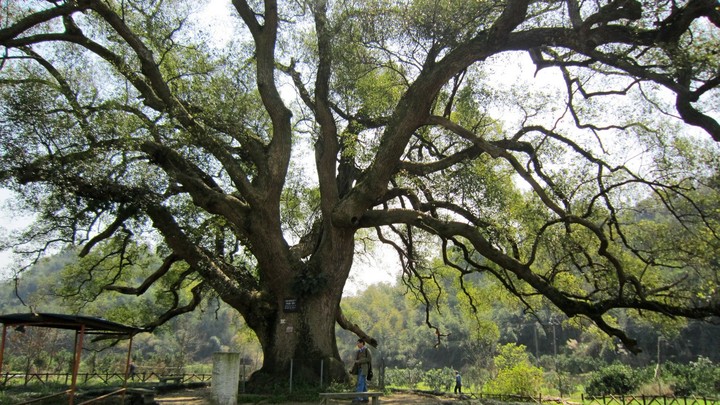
(203, 396)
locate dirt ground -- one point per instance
(398, 398)
(197, 396)
(203, 396)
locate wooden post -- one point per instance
(127, 368)
(322, 364)
(79, 335)
(2, 346)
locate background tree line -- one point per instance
(185, 343)
(501, 349)
(493, 343)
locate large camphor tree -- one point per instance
(258, 152)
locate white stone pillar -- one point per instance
(225, 378)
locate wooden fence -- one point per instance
(648, 400)
(10, 378)
(603, 400)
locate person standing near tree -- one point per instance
(458, 383)
(361, 368)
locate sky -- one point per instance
(380, 266)
(9, 222)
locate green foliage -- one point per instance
(125, 126)
(700, 378)
(615, 379)
(407, 346)
(184, 340)
(522, 379)
(12, 395)
(439, 379)
(436, 379)
(447, 21)
(403, 377)
(515, 373)
(579, 364)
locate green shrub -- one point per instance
(516, 374)
(612, 380)
(574, 364)
(403, 377)
(522, 379)
(439, 379)
(700, 377)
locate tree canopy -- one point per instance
(257, 155)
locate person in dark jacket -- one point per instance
(361, 368)
(458, 383)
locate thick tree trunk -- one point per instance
(302, 342)
(298, 335)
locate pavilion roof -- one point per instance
(92, 325)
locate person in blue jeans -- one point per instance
(362, 366)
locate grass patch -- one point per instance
(16, 394)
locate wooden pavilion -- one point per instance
(82, 325)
